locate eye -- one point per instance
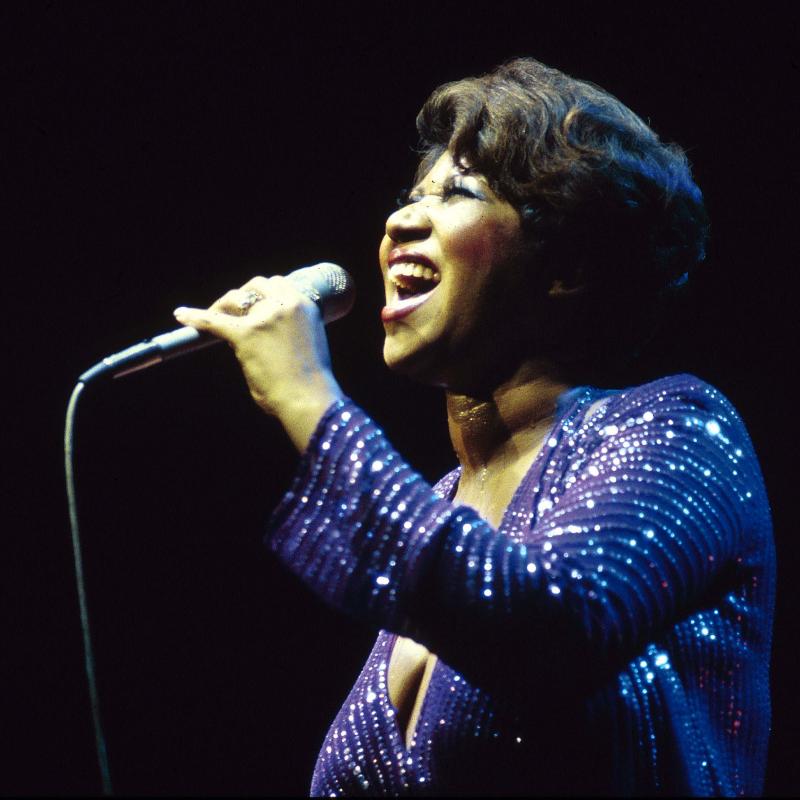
(457, 186)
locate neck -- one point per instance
(491, 431)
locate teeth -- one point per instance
(411, 270)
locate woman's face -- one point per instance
(452, 266)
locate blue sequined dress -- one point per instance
(612, 636)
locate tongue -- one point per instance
(410, 285)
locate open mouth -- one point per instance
(412, 280)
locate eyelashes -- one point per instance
(456, 188)
(451, 187)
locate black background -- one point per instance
(161, 153)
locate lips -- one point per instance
(414, 278)
(402, 308)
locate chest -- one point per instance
(411, 666)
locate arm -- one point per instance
(656, 509)
(653, 516)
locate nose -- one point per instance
(409, 223)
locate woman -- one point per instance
(585, 604)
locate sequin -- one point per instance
(594, 595)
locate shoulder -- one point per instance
(685, 429)
(680, 406)
(679, 401)
(683, 387)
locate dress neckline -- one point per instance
(569, 405)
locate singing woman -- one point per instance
(585, 604)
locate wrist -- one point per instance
(300, 408)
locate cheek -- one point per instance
(485, 247)
(471, 240)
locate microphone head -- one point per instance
(329, 286)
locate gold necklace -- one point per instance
(545, 424)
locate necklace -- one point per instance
(482, 486)
(485, 503)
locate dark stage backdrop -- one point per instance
(161, 153)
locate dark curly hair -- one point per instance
(606, 205)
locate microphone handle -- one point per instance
(152, 351)
(328, 285)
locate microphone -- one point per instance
(328, 285)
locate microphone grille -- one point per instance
(329, 286)
(337, 278)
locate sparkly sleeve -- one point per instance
(650, 511)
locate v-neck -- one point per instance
(569, 404)
(568, 407)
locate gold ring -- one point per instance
(249, 301)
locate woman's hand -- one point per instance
(279, 338)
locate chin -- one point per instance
(418, 364)
(429, 368)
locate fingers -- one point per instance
(238, 311)
(277, 291)
(217, 323)
(236, 302)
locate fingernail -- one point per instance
(180, 311)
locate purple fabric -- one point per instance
(611, 636)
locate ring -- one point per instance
(250, 300)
